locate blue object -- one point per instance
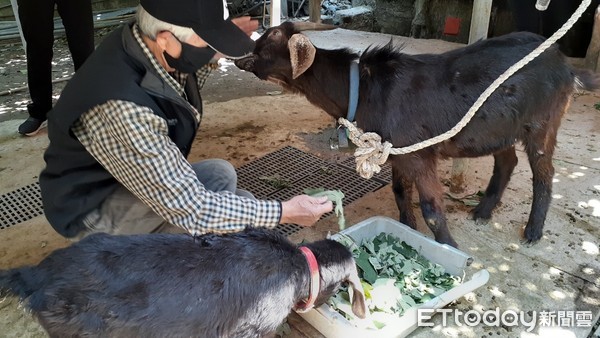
(353, 98)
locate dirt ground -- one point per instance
(245, 119)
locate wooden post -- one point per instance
(592, 56)
(314, 9)
(480, 21)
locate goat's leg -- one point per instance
(402, 186)
(430, 196)
(540, 148)
(504, 164)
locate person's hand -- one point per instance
(246, 24)
(305, 210)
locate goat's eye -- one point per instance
(276, 33)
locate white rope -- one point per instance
(371, 153)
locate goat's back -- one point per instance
(432, 92)
(163, 285)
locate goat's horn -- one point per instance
(312, 26)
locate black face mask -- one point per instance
(191, 58)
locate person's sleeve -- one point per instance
(203, 73)
(132, 143)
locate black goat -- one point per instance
(409, 98)
(172, 285)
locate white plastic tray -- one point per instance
(333, 325)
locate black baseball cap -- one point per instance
(208, 18)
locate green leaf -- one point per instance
(406, 302)
(369, 274)
(342, 305)
(276, 181)
(416, 294)
(370, 247)
(336, 196)
(378, 325)
(407, 268)
(375, 263)
(405, 250)
(426, 297)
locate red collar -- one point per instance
(313, 267)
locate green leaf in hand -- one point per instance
(334, 196)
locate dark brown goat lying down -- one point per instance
(172, 285)
(409, 98)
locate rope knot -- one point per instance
(370, 153)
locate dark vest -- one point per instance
(73, 182)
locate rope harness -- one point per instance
(372, 153)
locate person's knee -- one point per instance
(245, 193)
(223, 168)
(216, 175)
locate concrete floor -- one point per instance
(560, 273)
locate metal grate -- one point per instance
(289, 163)
(300, 169)
(336, 177)
(20, 205)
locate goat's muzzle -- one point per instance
(246, 63)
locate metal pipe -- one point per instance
(542, 5)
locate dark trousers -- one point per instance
(574, 43)
(37, 21)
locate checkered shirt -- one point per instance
(132, 143)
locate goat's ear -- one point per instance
(302, 54)
(358, 296)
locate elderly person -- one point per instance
(123, 126)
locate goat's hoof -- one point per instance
(449, 240)
(453, 244)
(532, 235)
(482, 221)
(527, 243)
(481, 214)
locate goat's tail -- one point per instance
(587, 80)
(21, 282)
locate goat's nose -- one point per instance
(246, 63)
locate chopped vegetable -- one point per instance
(395, 278)
(276, 181)
(336, 197)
